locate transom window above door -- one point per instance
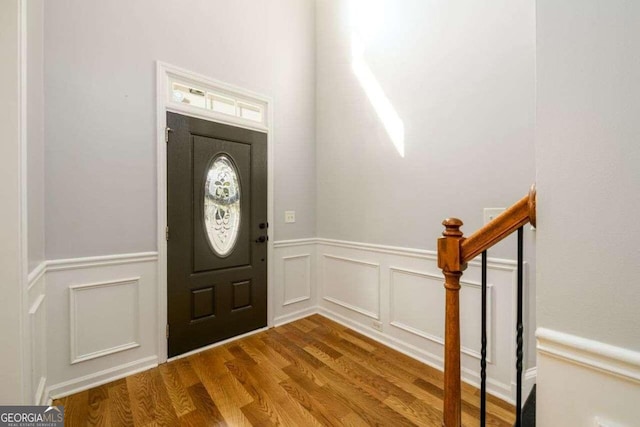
(197, 96)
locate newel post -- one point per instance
(449, 260)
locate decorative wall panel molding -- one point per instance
(409, 286)
(378, 290)
(396, 296)
(100, 306)
(296, 278)
(293, 290)
(103, 318)
(353, 284)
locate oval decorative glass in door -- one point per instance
(222, 205)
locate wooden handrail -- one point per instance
(454, 251)
(503, 225)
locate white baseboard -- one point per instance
(296, 315)
(399, 301)
(436, 362)
(87, 382)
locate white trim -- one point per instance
(308, 284)
(372, 315)
(40, 395)
(217, 344)
(607, 358)
(163, 72)
(171, 72)
(161, 220)
(225, 119)
(36, 274)
(352, 307)
(76, 357)
(494, 263)
(23, 237)
(296, 256)
(295, 300)
(100, 261)
(436, 339)
(296, 315)
(96, 379)
(87, 262)
(353, 261)
(530, 377)
(394, 250)
(293, 243)
(36, 304)
(494, 388)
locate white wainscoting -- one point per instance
(294, 276)
(104, 318)
(405, 314)
(396, 296)
(296, 281)
(104, 312)
(351, 283)
(36, 332)
(582, 380)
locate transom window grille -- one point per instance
(185, 93)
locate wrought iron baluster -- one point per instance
(519, 331)
(483, 351)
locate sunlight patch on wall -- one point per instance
(366, 18)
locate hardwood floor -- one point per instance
(310, 372)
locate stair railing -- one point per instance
(454, 251)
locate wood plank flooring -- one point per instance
(312, 372)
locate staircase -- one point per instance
(454, 252)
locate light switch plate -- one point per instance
(491, 213)
(289, 217)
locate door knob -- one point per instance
(262, 239)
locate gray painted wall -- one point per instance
(461, 77)
(588, 169)
(35, 132)
(100, 108)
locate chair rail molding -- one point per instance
(606, 358)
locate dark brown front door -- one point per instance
(217, 218)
